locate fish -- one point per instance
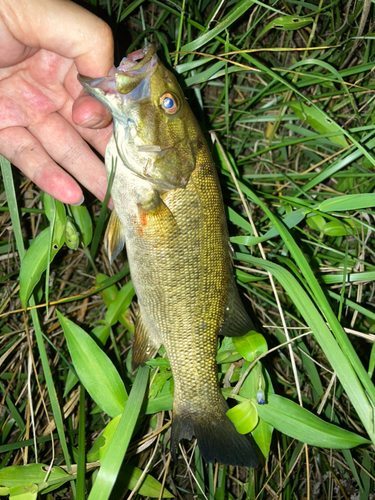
(169, 213)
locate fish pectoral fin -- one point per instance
(156, 222)
(236, 320)
(114, 238)
(145, 345)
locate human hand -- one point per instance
(44, 119)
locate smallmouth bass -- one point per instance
(169, 212)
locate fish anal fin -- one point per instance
(145, 345)
(217, 438)
(114, 238)
(236, 320)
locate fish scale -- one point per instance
(170, 213)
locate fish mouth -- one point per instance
(118, 93)
(131, 81)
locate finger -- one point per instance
(46, 23)
(90, 113)
(97, 137)
(67, 148)
(27, 154)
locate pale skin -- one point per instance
(45, 118)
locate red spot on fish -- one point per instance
(143, 219)
(137, 226)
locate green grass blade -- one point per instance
(12, 202)
(336, 356)
(81, 461)
(112, 461)
(238, 10)
(6, 171)
(297, 422)
(94, 369)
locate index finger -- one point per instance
(64, 28)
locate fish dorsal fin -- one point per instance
(114, 238)
(145, 345)
(236, 320)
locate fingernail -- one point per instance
(79, 203)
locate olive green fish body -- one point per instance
(170, 213)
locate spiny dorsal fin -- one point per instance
(114, 238)
(145, 345)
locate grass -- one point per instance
(284, 91)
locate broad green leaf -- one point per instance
(101, 333)
(110, 293)
(150, 486)
(24, 492)
(36, 260)
(227, 352)
(316, 222)
(159, 363)
(318, 121)
(158, 382)
(347, 202)
(244, 416)
(94, 452)
(263, 431)
(30, 473)
(162, 402)
(94, 369)
(251, 345)
(83, 221)
(120, 304)
(299, 423)
(262, 435)
(108, 434)
(335, 228)
(287, 23)
(51, 204)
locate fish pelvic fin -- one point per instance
(145, 345)
(114, 238)
(217, 438)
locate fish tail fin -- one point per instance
(217, 438)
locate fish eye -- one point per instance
(169, 103)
